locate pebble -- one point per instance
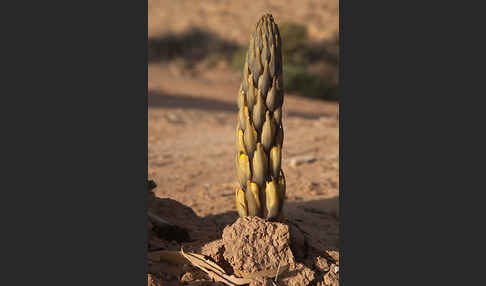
(321, 264)
(173, 118)
(296, 161)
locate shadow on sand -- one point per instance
(317, 220)
(162, 99)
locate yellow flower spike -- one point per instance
(272, 200)
(241, 206)
(260, 105)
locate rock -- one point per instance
(174, 118)
(253, 244)
(296, 161)
(215, 250)
(321, 264)
(334, 255)
(331, 279)
(301, 275)
(187, 277)
(154, 280)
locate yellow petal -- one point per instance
(256, 194)
(260, 166)
(279, 137)
(275, 160)
(259, 112)
(277, 116)
(250, 136)
(243, 169)
(251, 95)
(272, 200)
(267, 132)
(241, 99)
(240, 143)
(241, 206)
(253, 200)
(281, 189)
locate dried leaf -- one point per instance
(213, 270)
(204, 261)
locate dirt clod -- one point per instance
(215, 250)
(300, 275)
(253, 244)
(331, 279)
(153, 280)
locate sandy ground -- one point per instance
(192, 125)
(192, 121)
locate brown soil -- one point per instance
(192, 121)
(253, 245)
(247, 246)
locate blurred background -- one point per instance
(196, 54)
(199, 36)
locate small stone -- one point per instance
(187, 277)
(153, 280)
(296, 161)
(321, 264)
(301, 275)
(330, 278)
(334, 255)
(173, 118)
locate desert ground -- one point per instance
(191, 135)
